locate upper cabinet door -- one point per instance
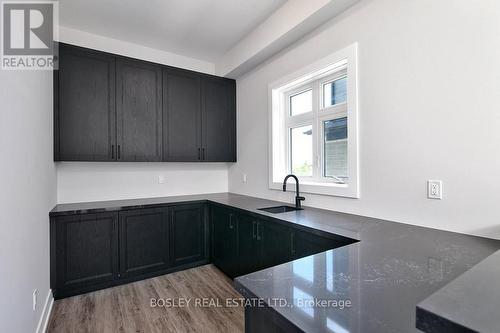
(139, 116)
(84, 106)
(181, 116)
(219, 120)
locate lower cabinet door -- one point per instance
(143, 241)
(188, 234)
(276, 243)
(86, 252)
(224, 227)
(249, 245)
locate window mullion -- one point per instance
(315, 132)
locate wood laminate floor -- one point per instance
(128, 308)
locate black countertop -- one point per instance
(470, 303)
(384, 276)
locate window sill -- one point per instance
(330, 189)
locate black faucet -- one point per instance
(298, 198)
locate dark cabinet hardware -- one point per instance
(119, 151)
(258, 231)
(254, 224)
(112, 152)
(199, 153)
(203, 153)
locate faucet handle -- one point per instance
(298, 200)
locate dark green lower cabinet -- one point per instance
(84, 252)
(250, 249)
(95, 251)
(243, 243)
(276, 243)
(188, 234)
(143, 241)
(224, 226)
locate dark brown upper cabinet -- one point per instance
(219, 120)
(181, 116)
(84, 106)
(138, 111)
(113, 108)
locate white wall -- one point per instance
(79, 182)
(429, 75)
(121, 47)
(27, 194)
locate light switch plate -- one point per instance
(162, 179)
(435, 189)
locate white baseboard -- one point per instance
(44, 318)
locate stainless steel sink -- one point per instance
(279, 209)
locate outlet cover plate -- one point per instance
(435, 189)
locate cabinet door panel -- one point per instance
(188, 234)
(143, 241)
(219, 120)
(225, 241)
(276, 243)
(181, 116)
(87, 250)
(84, 104)
(249, 245)
(139, 124)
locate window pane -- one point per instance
(335, 149)
(301, 150)
(301, 103)
(335, 92)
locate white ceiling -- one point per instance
(202, 29)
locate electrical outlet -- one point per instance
(434, 189)
(162, 179)
(35, 294)
(244, 179)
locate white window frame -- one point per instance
(313, 77)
